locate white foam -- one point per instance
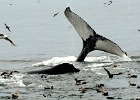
(21, 79)
(18, 76)
(56, 60)
(108, 58)
(123, 58)
(96, 66)
(126, 58)
(100, 73)
(59, 60)
(20, 83)
(97, 59)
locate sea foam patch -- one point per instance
(98, 59)
(59, 60)
(14, 80)
(56, 60)
(126, 58)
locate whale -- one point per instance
(91, 40)
(58, 69)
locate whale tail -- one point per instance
(91, 40)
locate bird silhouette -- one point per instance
(7, 27)
(109, 2)
(44, 95)
(51, 87)
(100, 89)
(15, 95)
(49, 95)
(111, 75)
(105, 93)
(132, 76)
(132, 84)
(82, 90)
(100, 85)
(79, 82)
(55, 14)
(110, 97)
(138, 87)
(6, 74)
(2, 36)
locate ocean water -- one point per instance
(44, 41)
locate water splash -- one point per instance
(55, 61)
(59, 60)
(125, 58)
(98, 59)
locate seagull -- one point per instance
(49, 95)
(6, 74)
(79, 82)
(110, 97)
(105, 93)
(82, 90)
(15, 95)
(138, 87)
(110, 2)
(48, 88)
(7, 27)
(100, 85)
(44, 95)
(100, 90)
(116, 65)
(111, 75)
(55, 14)
(132, 84)
(6, 37)
(132, 76)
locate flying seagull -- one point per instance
(55, 14)
(110, 2)
(6, 37)
(7, 27)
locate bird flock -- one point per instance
(101, 88)
(6, 37)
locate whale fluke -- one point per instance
(91, 40)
